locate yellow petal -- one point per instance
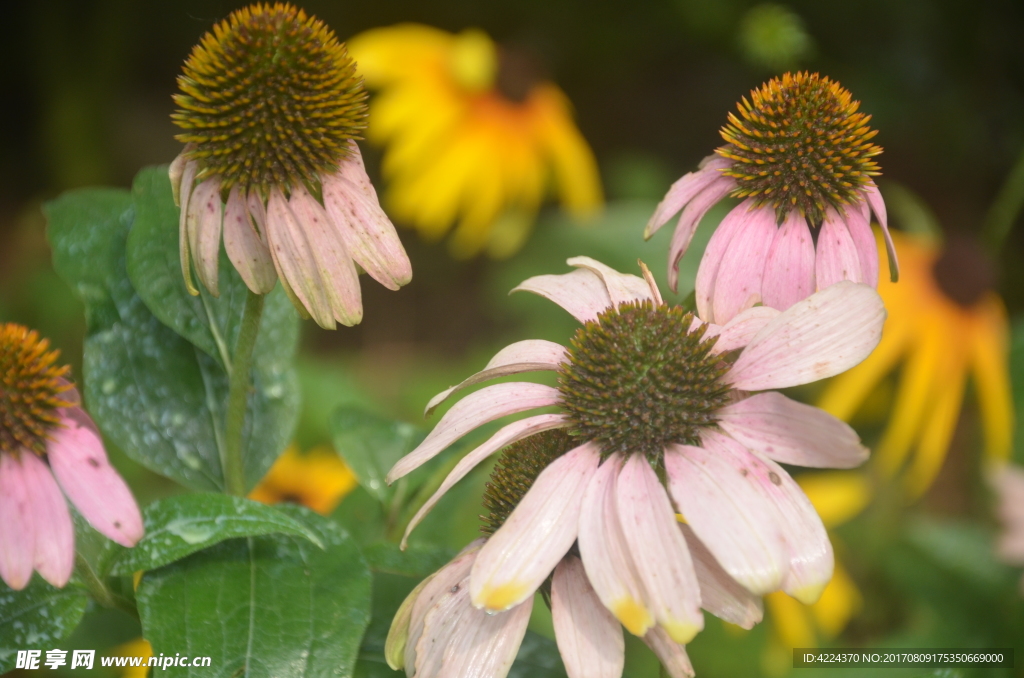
(837, 496)
(992, 379)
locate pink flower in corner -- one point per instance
(50, 449)
(801, 159)
(645, 389)
(1008, 483)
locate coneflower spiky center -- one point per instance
(800, 144)
(268, 98)
(638, 378)
(31, 388)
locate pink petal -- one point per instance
(353, 170)
(821, 336)
(504, 437)
(188, 179)
(738, 282)
(55, 535)
(17, 527)
(80, 465)
(606, 554)
(589, 637)
(671, 654)
(524, 551)
(337, 270)
(690, 219)
(368, 234)
(523, 356)
(792, 433)
(476, 409)
(204, 226)
(864, 241)
(621, 287)
(294, 260)
(582, 292)
(836, 257)
(738, 332)
(258, 212)
(684, 190)
(437, 592)
(175, 172)
(659, 550)
(878, 207)
(789, 269)
(720, 594)
(246, 251)
(707, 273)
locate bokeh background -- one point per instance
(87, 100)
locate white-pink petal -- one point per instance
(738, 332)
(243, 245)
(188, 179)
(684, 190)
(589, 638)
(789, 268)
(476, 409)
(54, 553)
(874, 198)
(17, 529)
(294, 260)
(858, 221)
(659, 550)
(80, 465)
(731, 226)
(540, 530)
(622, 287)
(507, 435)
(581, 292)
(720, 594)
(530, 355)
(792, 433)
(821, 336)
(836, 257)
(204, 228)
(671, 654)
(690, 219)
(739, 278)
(437, 591)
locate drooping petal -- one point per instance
(707, 272)
(175, 172)
(246, 251)
(605, 553)
(878, 207)
(17, 529)
(398, 633)
(338, 271)
(690, 219)
(789, 268)
(504, 437)
(684, 190)
(738, 332)
(659, 550)
(188, 179)
(720, 594)
(589, 638)
(622, 287)
(476, 409)
(859, 225)
(671, 654)
(294, 260)
(739, 278)
(792, 433)
(54, 551)
(80, 465)
(205, 214)
(258, 212)
(821, 336)
(582, 292)
(523, 356)
(539, 531)
(836, 257)
(480, 644)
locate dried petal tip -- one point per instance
(270, 97)
(800, 144)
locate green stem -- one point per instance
(1006, 207)
(238, 394)
(99, 591)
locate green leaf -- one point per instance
(263, 606)
(415, 561)
(371, 445)
(538, 658)
(181, 525)
(156, 395)
(1017, 383)
(37, 617)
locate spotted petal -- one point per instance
(589, 637)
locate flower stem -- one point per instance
(99, 591)
(1006, 207)
(238, 394)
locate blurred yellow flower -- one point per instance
(944, 324)
(318, 479)
(470, 136)
(139, 647)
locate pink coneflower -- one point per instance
(802, 160)
(49, 444)
(659, 409)
(271, 102)
(1008, 483)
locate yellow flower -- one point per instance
(945, 324)
(318, 480)
(470, 137)
(139, 647)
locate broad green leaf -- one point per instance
(538, 658)
(265, 606)
(181, 525)
(37, 617)
(371, 445)
(157, 396)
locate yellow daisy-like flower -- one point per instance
(318, 480)
(470, 137)
(139, 647)
(945, 324)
